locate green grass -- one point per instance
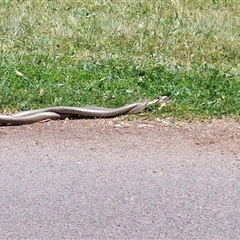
(109, 53)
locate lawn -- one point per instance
(113, 52)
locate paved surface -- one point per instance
(102, 179)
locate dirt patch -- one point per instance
(177, 178)
(217, 133)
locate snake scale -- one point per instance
(54, 113)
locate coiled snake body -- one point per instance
(53, 113)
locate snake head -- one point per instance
(163, 99)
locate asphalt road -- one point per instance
(95, 179)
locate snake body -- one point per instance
(53, 113)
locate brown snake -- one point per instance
(53, 113)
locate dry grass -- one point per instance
(172, 33)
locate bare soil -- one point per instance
(119, 179)
(223, 134)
